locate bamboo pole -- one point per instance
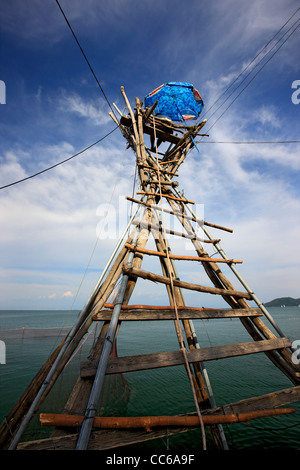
(86, 428)
(168, 196)
(149, 422)
(179, 234)
(181, 214)
(180, 257)
(186, 285)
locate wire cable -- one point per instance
(84, 55)
(251, 80)
(250, 142)
(60, 163)
(250, 63)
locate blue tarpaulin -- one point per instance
(176, 100)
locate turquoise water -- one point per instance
(162, 391)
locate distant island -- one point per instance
(283, 302)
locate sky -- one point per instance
(59, 228)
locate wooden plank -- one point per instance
(180, 257)
(269, 400)
(168, 313)
(101, 440)
(185, 285)
(120, 365)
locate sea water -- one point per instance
(167, 390)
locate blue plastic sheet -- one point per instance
(176, 100)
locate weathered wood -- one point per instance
(101, 440)
(174, 139)
(184, 313)
(149, 111)
(180, 257)
(158, 170)
(158, 228)
(185, 285)
(149, 422)
(121, 365)
(269, 400)
(109, 439)
(185, 142)
(179, 213)
(168, 196)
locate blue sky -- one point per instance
(50, 253)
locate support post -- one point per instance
(91, 410)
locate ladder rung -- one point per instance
(185, 285)
(179, 214)
(172, 232)
(179, 257)
(120, 365)
(168, 196)
(168, 313)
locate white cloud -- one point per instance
(268, 115)
(68, 294)
(95, 112)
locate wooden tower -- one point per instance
(77, 426)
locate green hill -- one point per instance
(286, 301)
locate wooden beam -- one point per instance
(269, 400)
(154, 227)
(121, 365)
(185, 285)
(174, 139)
(109, 439)
(168, 313)
(180, 214)
(180, 257)
(158, 170)
(167, 196)
(149, 422)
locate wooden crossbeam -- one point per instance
(104, 440)
(120, 365)
(185, 285)
(180, 214)
(149, 422)
(168, 313)
(173, 232)
(180, 257)
(168, 196)
(174, 139)
(158, 170)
